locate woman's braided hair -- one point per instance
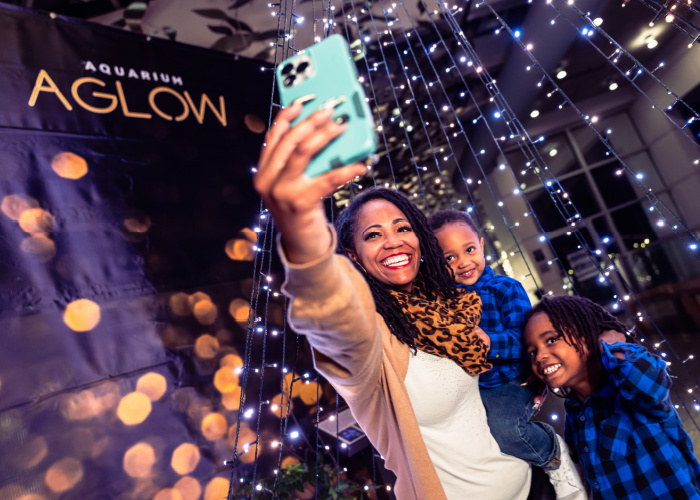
(580, 320)
(435, 272)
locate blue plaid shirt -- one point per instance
(504, 304)
(628, 435)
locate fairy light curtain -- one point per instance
(453, 135)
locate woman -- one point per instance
(421, 411)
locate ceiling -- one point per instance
(452, 98)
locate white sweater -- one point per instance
(452, 421)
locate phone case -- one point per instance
(327, 71)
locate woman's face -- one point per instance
(385, 244)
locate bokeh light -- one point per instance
(216, 489)
(31, 453)
(39, 246)
(82, 315)
(254, 123)
(214, 426)
(64, 475)
(69, 165)
(206, 346)
(296, 387)
(189, 488)
(280, 406)
(185, 458)
(232, 400)
(81, 405)
(36, 220)
(239, 249)
(134, 408)
(139, 460)
(225, 379)
(139, 224)
(152, 385)
(239, 310)
(231, 360)
(168, 494)
(13, 205)
(308, 393)
(205, 312)
(180, 304)
(246, 436)
(197, 297)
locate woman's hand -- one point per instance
(295, 200)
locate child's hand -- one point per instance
(540, 389)
(610, 337)
(484, 337)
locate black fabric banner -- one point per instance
(126, 259)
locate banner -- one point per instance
(127, 249)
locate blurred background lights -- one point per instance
(69, 165)
(139, 460)
(152, 385)
(13, 205)
(214, 426)
(168, 494)
(239, 310)
(41, 247)
(134, 408)
(189, 488)
(64, 475)
(185, 458)
(36, 220)
(225, 379)
(206, 346)
(82, 315)
(216, 489)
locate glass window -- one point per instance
(580, 194)
(615, 189)
(558, 155)
(622, 137)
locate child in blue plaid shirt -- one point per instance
(620, 420)
(507, 397)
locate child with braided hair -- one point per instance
(620, 421)
(509, 400)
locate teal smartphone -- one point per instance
(325, 74)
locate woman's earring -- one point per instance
(360, 265)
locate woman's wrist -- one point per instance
(305, 238)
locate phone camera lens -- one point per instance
(302, 67)
(340, 120)
(287, 69)
(289, 81)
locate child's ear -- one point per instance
(352, 255)
(481, 242)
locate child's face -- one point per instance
(556, 362)
(464, 251)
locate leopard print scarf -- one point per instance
(446, 326)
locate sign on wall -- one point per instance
(127, 248)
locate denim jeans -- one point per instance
(508, 409)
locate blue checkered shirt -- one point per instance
(628, 435)
(504, 304)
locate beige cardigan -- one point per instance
(332, 305)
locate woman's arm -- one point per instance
(330, 301)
